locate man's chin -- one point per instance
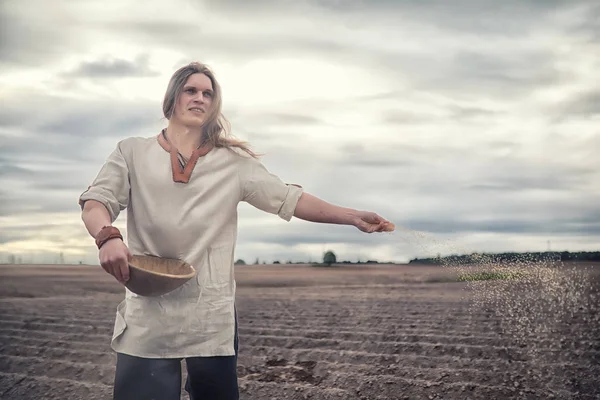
(191, 123)
(195, 123)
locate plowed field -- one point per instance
(378, 332)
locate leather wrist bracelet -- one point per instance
(107, 233)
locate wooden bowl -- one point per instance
(155, 276)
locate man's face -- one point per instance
(195, 101)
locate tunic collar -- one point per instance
(181, 174)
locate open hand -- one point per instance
(370, 222)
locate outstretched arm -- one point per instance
(313, 209)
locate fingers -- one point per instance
(116, 267)
(366, 226)
(371, 228)
(389, 227)
(380, 225)
(373, 218)
(124, 270)
(114, 259)
(125, 266)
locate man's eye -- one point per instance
(191, 90)
(208, 94)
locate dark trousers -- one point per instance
(209, 378)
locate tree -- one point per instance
(240, 262)
(329, 258)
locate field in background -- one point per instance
(349, 332)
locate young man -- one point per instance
(181, 189)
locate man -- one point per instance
(181, 190)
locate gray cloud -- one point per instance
(589, 28)
(486, 74)
(278, 118)
(89, 118)
(33, 34)
(7, 237)
(113, 68)
(585, 105)
(48, 180)
(481, 17)
(536, 178)
(186, 35)
(45, 149)
(358, 156)
(14, 171)
(301, 233)
(4, 200)
(43, 231)
(400, 117)
(472, 112)
(26, 202)
(511, 226)
(93, 119)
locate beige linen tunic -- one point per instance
(195, 221)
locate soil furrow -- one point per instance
(392, 348)
(296, 325)
(260, 345)
(252, 390)
(280, 315)
(441, 371)
(23, 387)
(392, 386)
(73, 369)
(357, 377)
(426, 337)
(102, 354)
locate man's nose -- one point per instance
(199, 98)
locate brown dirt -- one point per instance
(370, 332)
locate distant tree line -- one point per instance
(329, 258)
(512, 257)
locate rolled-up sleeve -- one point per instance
(111, 185)
(267, 191)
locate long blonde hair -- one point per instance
(216, 130)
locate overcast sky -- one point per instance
(472, 124)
